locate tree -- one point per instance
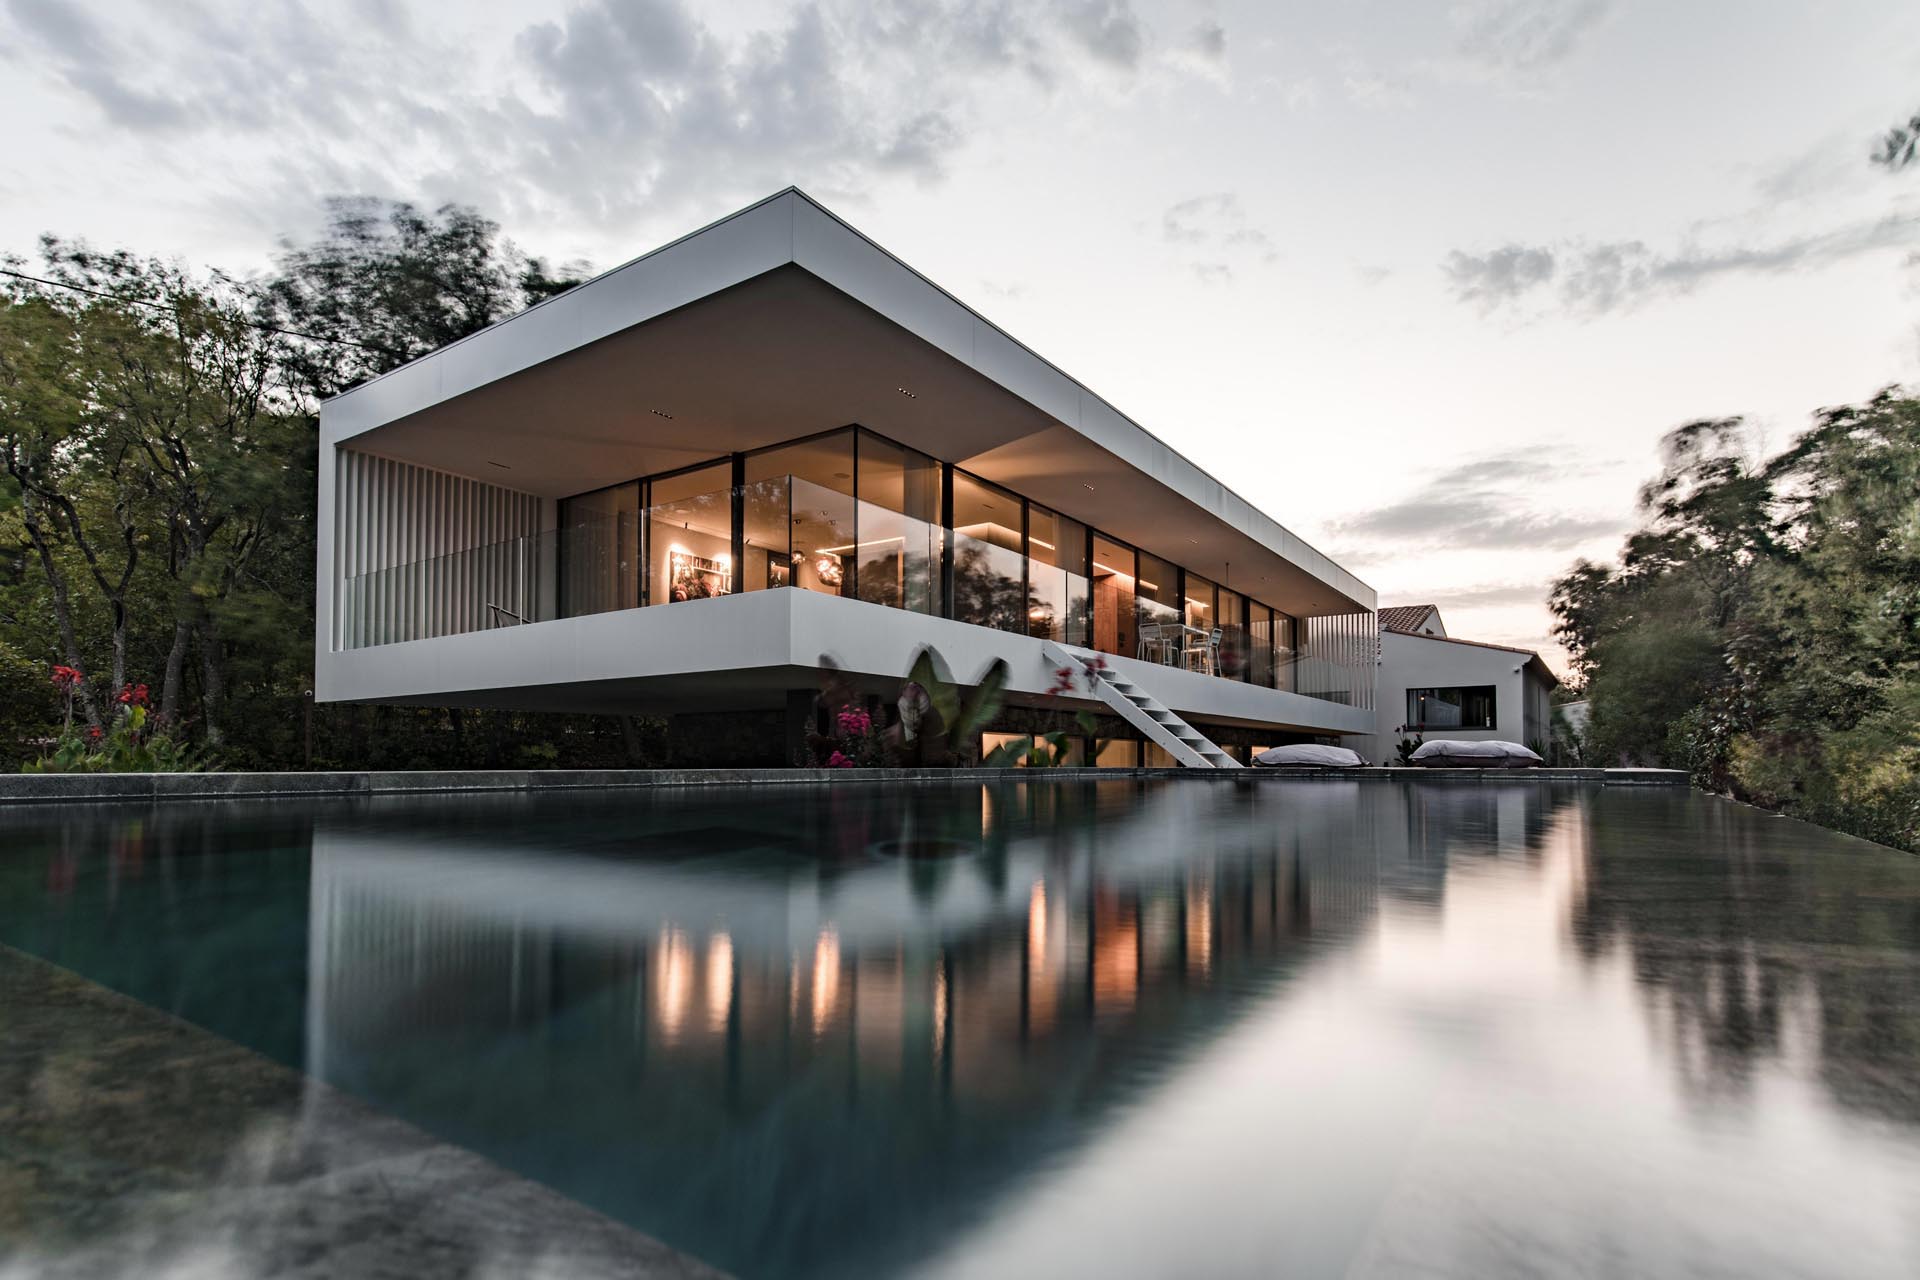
(1762, 627)
(386, 284)
(1901, 145)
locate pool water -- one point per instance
(1071, 1028)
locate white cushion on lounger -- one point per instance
(1307, 753)
(1489, 752)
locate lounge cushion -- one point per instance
(1490, 753)
(1310, 755)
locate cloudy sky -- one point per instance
(1427, 281)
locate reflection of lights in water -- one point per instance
(986, 811)
(1037, 925)
(939, 1005)
(1199, 927)
(1116, 956)
(826, 978)
(673, 978)
(1040, 979)
(719, 981)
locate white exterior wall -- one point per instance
(1419, 662)
(756, 643)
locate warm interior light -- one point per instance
(1041, 542)
(857, 546)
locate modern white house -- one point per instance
(770, 449)
(1433, 685)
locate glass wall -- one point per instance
(689, 523)
(1285, 650)
(1235, 656)
(599, 550)
(852, 514)
(798, 516)
(989, 568)
(898, 520)
(1059, 606)
(1162, 619)
(1115, 613)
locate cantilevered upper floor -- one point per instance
(774, 401)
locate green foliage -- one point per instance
(387, 283)
(129, 747)
(1762, 629)
(157, 451)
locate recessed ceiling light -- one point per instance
(908, 394)
(1089, 487)
(659, 414)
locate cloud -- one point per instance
(1217, 225)
(1592, 279)
(1488, 595)
(1209, 40)
(1499, 276)
(609, 109)
(1485, 504)
(1525, 36)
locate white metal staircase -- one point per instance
(1143, 711)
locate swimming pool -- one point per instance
(1070, 1028)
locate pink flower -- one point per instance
(839, 760)
(854, 722)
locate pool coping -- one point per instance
(37, 788)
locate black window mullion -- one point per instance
(946, 540)
(739, 513)
(1021, 622)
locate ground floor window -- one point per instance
(1463, 707)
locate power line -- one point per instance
(161, 306)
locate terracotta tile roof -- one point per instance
(1404, 617)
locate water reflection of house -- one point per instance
(648, 1035)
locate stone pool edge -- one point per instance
(31, 788)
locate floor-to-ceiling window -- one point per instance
(600, 555)
(1162, 619)
(689, 523)
(1284, 649)
(1235, 656)
(850, 513)
(797, 516)
(1059, 606)
(898, 521)
(989, 568)
(1115, 615)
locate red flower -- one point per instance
(134, 695)
(66, 677)
(94, 733)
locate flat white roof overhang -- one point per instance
(781, 321)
